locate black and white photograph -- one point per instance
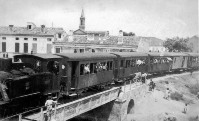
(99, 60)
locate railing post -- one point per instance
(20, 117)
(42, 115)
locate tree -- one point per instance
(128, 34)
(177, 44)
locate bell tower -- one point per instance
(82, 21)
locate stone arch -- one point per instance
(130, 106)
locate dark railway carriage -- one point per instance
(87, 69)
(129, 63)
(159, 62)
(29, 79)
(44, 77)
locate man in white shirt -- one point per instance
(49, 104)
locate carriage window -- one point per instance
(110, 65)
(151, 60)
(168, 59)
(139, 62)
(81, 69)
(53, 66)
(133, 63)
(64, 70)
(122, 63)
(18, 60)
(38, 66)
(93, 67)
(87, 68)
(142, 61)
(162, 60)
(128, 63)
(194, 59)
(159, 60)
(99, 67)
(104, 66)
(156, 60)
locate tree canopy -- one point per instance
(177, 44)
(128, 34)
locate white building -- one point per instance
(29, 39)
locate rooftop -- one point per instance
(7, 30)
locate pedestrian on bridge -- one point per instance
(49, 104)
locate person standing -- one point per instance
(191, 72)
(151, 85)
(167, 94)
(185, 109)
(49, 104)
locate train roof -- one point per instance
(166, 54)
(41, 56)
(193, 54)
(86, 56)
(130, 54)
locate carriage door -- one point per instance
(74, 75)
(122, 65)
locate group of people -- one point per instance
(97, 68)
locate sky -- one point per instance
(150, 18)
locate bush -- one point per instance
(193, 118)
(176, 96)
(194, 89)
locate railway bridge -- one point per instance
(113, 104)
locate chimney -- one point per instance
(11, 27)
(29, 27)
(42, 28)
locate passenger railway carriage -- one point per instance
(159, 62)
(129, 63)
(87, 70)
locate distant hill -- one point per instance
(194, 43)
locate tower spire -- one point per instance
(82, 15)
(82, 21)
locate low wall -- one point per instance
(118, 109)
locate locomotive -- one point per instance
(31, 77)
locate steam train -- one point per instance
(30, 77)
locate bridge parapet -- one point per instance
(67, 111)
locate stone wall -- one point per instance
(118, 109)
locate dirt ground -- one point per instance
(154, 107)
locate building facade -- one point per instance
(29, 39)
